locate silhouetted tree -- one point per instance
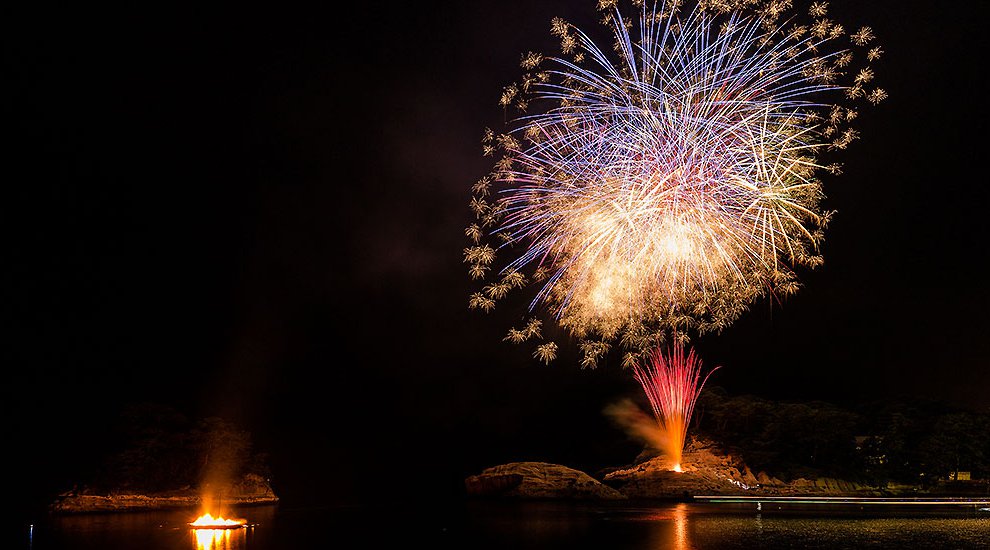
(162, 450)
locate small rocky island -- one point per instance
(538, 480)
(251, 490)
(706, 471)
(744, 445)
(167, 461)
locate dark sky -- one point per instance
(256, 211)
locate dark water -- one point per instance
(529, 525)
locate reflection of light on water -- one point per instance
(680, 527)
(844, 501)
(218, 533)
(208, 539)
(672, 529)
(220, 539)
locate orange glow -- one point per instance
(220, 539)
(212, 539)
(673, 528)
(666, 437)
(207, 521)
(672, 381)
(217, 533)
(681, 541)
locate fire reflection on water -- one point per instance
(220, 539)
(680, 527)
(671, 528)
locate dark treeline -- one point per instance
(878, 443)
(161, 449)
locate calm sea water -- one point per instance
(528, 525)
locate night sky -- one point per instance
(257, 211)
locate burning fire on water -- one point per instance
(207, 521)
(218, 533)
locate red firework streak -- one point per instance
(672, 383)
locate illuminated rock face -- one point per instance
(707, 471)
(538, 480)
(701, 475)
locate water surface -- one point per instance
(531, 525)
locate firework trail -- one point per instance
(672, 383)
(662, 186)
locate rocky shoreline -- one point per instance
(709, 472)
(538, 480)
(706, 471)
(252, 491)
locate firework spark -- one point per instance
(672, 383)
(664, 187)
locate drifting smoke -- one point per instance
(639, 425)
(226, 453)
(672, 381)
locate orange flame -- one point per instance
(672, 382)
(207, 521)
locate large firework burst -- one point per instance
(662, 186)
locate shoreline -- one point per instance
(123, 503)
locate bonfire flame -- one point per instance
(207, 521)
